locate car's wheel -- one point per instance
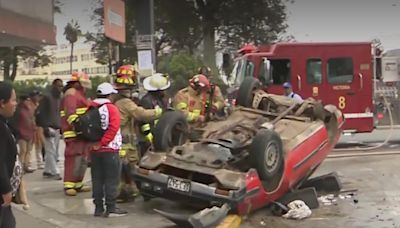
(171, 130)
(266, 154)
(246, 91)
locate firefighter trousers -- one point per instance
(75, 164)
(127, 187)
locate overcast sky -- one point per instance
(309, 20)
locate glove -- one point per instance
(159, 111)
(122, 153)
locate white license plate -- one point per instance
(178, 184)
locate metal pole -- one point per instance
(109, 56)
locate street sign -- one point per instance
(144, 42)
(114, 20)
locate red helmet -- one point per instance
(199, 81)
(82, 77)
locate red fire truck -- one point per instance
(336, 73)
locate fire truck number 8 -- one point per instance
(342, 102)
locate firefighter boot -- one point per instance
(70, 192)
(84, 188)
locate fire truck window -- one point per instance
(314, 71)
(280, 70)
(340, 70)
(247, 69)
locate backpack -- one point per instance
(88, 126)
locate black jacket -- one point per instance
(8, 153)
(48, 112)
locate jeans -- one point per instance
(51, 154)
(7, 219)
(105, 172)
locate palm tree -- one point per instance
(72, 31)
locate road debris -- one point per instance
(297, 210)
(330, 199)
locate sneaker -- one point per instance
(98, 211)
(29, 170)
(56, 177)
(46, 174)
(40, 166)
(117, 212)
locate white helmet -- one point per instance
(156, 82)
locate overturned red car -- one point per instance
(267, 146)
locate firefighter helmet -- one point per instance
(82, 77)
(126, 77)
(156, 82)
(199, 81)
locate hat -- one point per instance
(156, 82)
(287, 85)
(105, 88)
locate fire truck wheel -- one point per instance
(171, 130)
(246, 91)
(266, 154)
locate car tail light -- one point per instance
(143, 171)
(222, 192)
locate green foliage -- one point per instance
(97, 80)
(180, 67)
(24, 87)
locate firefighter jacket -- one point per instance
(195, 105)
(151, 101)
(130, 112)
(73, 104)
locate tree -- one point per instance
(180, 66)
(72, 31)
(211, 24)
(10, 56)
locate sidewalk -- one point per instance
(49, 207)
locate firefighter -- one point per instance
(155, 85)
(206, 71)
(198, 99)
(73, 104)
(130, 112)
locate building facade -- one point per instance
(83, 60)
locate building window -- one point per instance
(280, 70)
(314, 71)
(340, 70)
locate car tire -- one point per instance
(266, 154)
(245, 94)
(171, 130)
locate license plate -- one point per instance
(178, 184)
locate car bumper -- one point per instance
(154, 184)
